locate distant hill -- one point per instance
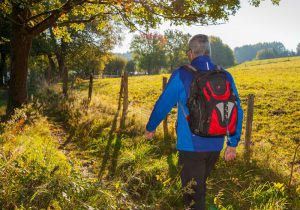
(261, 51)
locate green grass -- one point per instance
(276, 85)
(111, 168)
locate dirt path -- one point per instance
(85, 163)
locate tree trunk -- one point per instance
(60, 54)
(51, 69)
(3, 68)
(63, 70)
(20, 47)
(61, 64)
(65, 81)
(171, 68)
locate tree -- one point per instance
(115, 66)
(4, 51)
(267, 54)
(30, 18)
(89, 60)
(221, 53)
(175, 48)
(149, 52)
(42, 45)
(298, 49)
(88, 52)
(130, 67)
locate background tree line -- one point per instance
(264, 50)
(154, 53)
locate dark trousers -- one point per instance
(195, 166)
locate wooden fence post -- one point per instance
(125, 100)
(165, 122)
(293, 163)
(90, 88)
(121, 92)
(249, 121)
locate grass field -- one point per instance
(275, 83)
(109, 168)
(276, 128)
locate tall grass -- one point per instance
(63, 155)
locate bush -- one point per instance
(35, 174)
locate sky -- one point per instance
(250, 25)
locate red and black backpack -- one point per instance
(212, 103)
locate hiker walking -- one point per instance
(208, 110)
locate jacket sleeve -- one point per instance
(233, 140)
(166, 101)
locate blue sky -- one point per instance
(249, 26)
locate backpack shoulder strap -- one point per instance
(191, 69)
(220, 68)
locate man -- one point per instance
(197, 155)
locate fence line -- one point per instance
(125, 100)
(146, 113)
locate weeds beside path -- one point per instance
(55, 153)
(145, 173)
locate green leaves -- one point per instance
(256, 3)
(221, 53)
(176, 46)
(115, 66)
(133, 14)
(5, 8)
(149, 51)
(62, 33)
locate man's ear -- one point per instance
(190, 55)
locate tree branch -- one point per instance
(55, 14)
(128, 21)
(9, 20)
(39, 15)
(4, 40)
(97, 2)
(64, 23)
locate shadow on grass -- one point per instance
(173, 168)
(108, 145)
(115, 155)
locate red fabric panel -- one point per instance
(216, 129)
(187, 118)
(232, 123)
(225, 96)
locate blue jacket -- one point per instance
(177, 91)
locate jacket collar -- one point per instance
(203, 62)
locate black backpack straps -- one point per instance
(190, 68)
(219, 68)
